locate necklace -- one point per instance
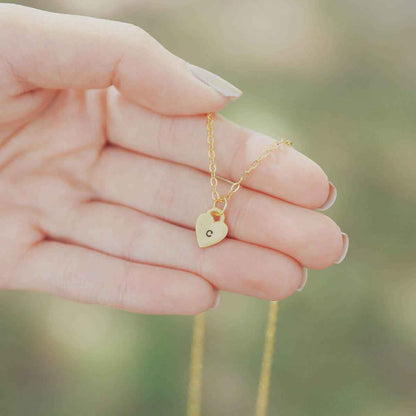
(211, 229)
(210, 226)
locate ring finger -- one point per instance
(179, 194)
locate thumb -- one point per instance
(57, 51)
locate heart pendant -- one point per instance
(210, 231)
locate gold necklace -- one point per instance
(210, 226)
(212, 229)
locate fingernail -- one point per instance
(304, 279)
(332, 196)
(346, 243)
(214, 81)
(217, 302)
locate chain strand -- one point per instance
(263, 392)
(194, 407)
(212, 167)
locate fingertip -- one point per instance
(194, 295)
(292, 282)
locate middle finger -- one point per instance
(178, 194)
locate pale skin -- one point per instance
(103, 172)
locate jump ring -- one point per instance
(223, 201)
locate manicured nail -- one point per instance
(214, 81)
(304, 279)
(217, 302)
(332, 196)
(346, 243)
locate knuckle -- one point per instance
(239, 155)
(124, 286)
(241, 209)
(138, 34)
(137, 244)
(134, 36)
(168, 138)
(68, 276)
(164, 196)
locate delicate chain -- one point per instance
(211, 155)
(195, 382)
(235, 186)
(194, 407)
(262, 402)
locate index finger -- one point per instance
(286, 174)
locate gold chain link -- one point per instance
(212, 167)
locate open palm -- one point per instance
(103, 171)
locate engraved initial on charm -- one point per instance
(211, 228)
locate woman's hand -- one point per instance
(103, 171)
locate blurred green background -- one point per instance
(338, 77)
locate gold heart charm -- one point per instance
(210, 231)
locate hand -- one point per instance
(103, 171)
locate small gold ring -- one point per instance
(222, 200)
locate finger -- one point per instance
(84, 275)
(179, 194)
(59, 51)
(234, 266)
(286, 173)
